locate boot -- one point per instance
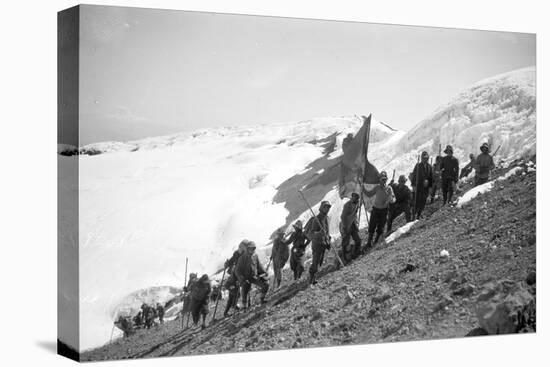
(368, 246)
(377, 238)
(312, 280)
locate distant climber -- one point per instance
(349, 228)
(149, 314)
(160, 313)
(449, 174)
(232, 284)
(383, 196)
(317, 231)
(279, 255)
(436, 185)
(199, 300)
(402, 202)
(138, 320)
(186, 297)
(124, 323)
(421, 181)
(483, 165)
(248, 271)
(297, 253)
(464, 172)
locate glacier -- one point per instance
(147, 205)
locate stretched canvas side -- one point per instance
(67, 189)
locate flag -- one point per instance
(355, 162)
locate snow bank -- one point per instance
(512, 172)
(472, 193)
(486, 187)
(400, 231)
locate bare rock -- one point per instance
(450, 276)
(443, 304)
(316, 315)
(408, 268)
(384, 295)
(504, 313)
(464, 291)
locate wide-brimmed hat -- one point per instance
(298, 224)
(484, 145)
(448, 149)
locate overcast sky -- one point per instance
(150, 72)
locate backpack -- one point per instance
(308, 226)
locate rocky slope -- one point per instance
(400, 291)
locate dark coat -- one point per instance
(248, 267)
(279, 251)
(483, 165)
(201, 290)
(402, 193)
(422, 171)
(299, 241)
(160, 311)
(232, 260)
(449, 168)
(317, 231)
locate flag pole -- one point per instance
(365, 156)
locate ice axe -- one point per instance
(322, 227)
(183, 300)
(218, 298)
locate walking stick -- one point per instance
(417, 167)
(112, 331)
(322, 227)
(218, 298)
(183, 300)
